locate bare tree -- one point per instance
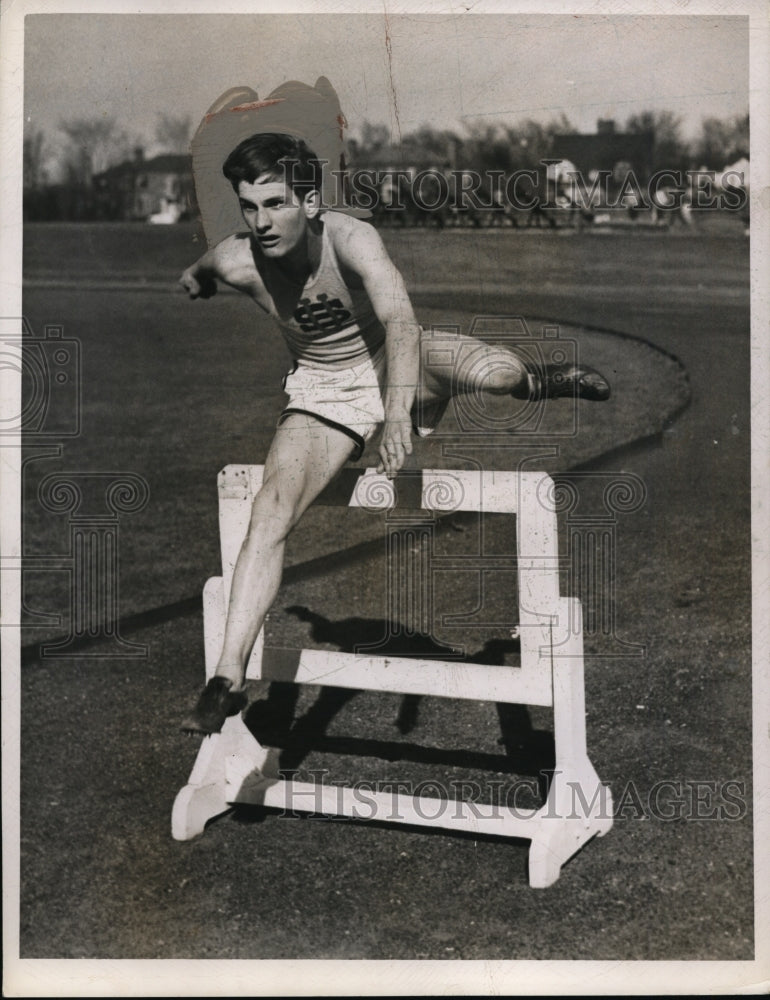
(721, 141)
(374, 137)
(487, 145)
(173, 133)
(34, 155)
(96, 144)
(670, 151)
(531, 141)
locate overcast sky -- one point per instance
(443, 70)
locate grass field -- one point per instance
(173, 390)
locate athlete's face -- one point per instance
(276, 216)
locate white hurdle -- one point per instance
(233, 768)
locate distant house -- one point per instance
(141, 189)
(607, 149)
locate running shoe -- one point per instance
(553, 381)
(215, 704)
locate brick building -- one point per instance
(607, 149)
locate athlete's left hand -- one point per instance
(395, 445)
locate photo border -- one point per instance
(328, 978)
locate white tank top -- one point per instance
(328, 322)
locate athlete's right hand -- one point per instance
(198, 284)
(395, 444)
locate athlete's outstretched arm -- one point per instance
(364, 252)
(229, 261)
(199, 280)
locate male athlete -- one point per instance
(343, 309)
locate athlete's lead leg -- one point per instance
(454, 364)
(304, 457)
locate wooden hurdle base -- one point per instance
(233, 768)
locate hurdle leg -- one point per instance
(228, 763)
(203, 797)
(578, 808)
(213, 622)
(226, 760)
(579, 805)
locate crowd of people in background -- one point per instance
(550, 198)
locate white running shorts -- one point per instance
(349, 399)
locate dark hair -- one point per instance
(283, 157)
